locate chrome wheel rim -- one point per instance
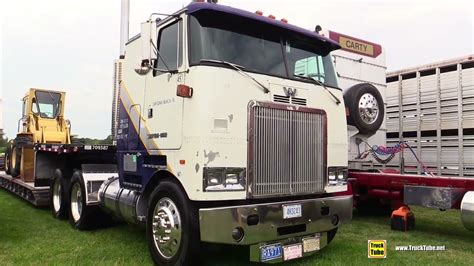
(76, 202)
(166, 228)
(368, 108)
(13, 158)
(57, 190)
(7, 163)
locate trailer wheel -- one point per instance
(7, 160)
(81, 216)
(331, 235)
(58, 196)
(172, 227)
(15, 160)
(366, 108)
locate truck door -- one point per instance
(163, 109)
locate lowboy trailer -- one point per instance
(61, 160)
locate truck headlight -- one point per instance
(337, 176)
(224, 179)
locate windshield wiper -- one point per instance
(317, 82)
(238, 69)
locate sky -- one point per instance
(71, 45)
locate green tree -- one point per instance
(3, 141)
(89, 141)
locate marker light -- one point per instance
(271, 16)
(258, 12)
(284, 20)
(184, 91)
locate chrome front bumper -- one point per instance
(318, 215)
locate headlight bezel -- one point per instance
(229, 179)
(337, 175)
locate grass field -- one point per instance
(30, 235)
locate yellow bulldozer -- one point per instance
(42, 121)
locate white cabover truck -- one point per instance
(231, 129)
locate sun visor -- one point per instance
(327, 45)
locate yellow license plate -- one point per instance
(311, 244)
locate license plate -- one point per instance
(291, 211)
(270, 252)
(292, 252)
(311, 244)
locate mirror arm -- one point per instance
(159, 54)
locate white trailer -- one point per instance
(432, 107)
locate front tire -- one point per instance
(172, 227)
(59, 201)
(81, 216)
(15, 161)
(331, 235)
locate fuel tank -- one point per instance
(120, 202)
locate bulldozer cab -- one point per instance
(43, 117)
(42, 122)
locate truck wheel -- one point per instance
(172, 227)
(81, 216)
(15, 161)
(366, 108)
(58, 196)
(332, 234)
(7, 160)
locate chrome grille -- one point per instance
(286, 150)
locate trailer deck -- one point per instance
(38, 196)
(47, 160)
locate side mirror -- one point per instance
(148, 38)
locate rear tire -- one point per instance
(7, 159)
(59, 201)
(178, 242)
(81, 216)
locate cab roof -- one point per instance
(196, 7)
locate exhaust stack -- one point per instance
(124, 26)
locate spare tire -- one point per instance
(366, 108)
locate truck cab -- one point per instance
(232, 130)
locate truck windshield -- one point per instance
(47, 104)
(258, 48)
